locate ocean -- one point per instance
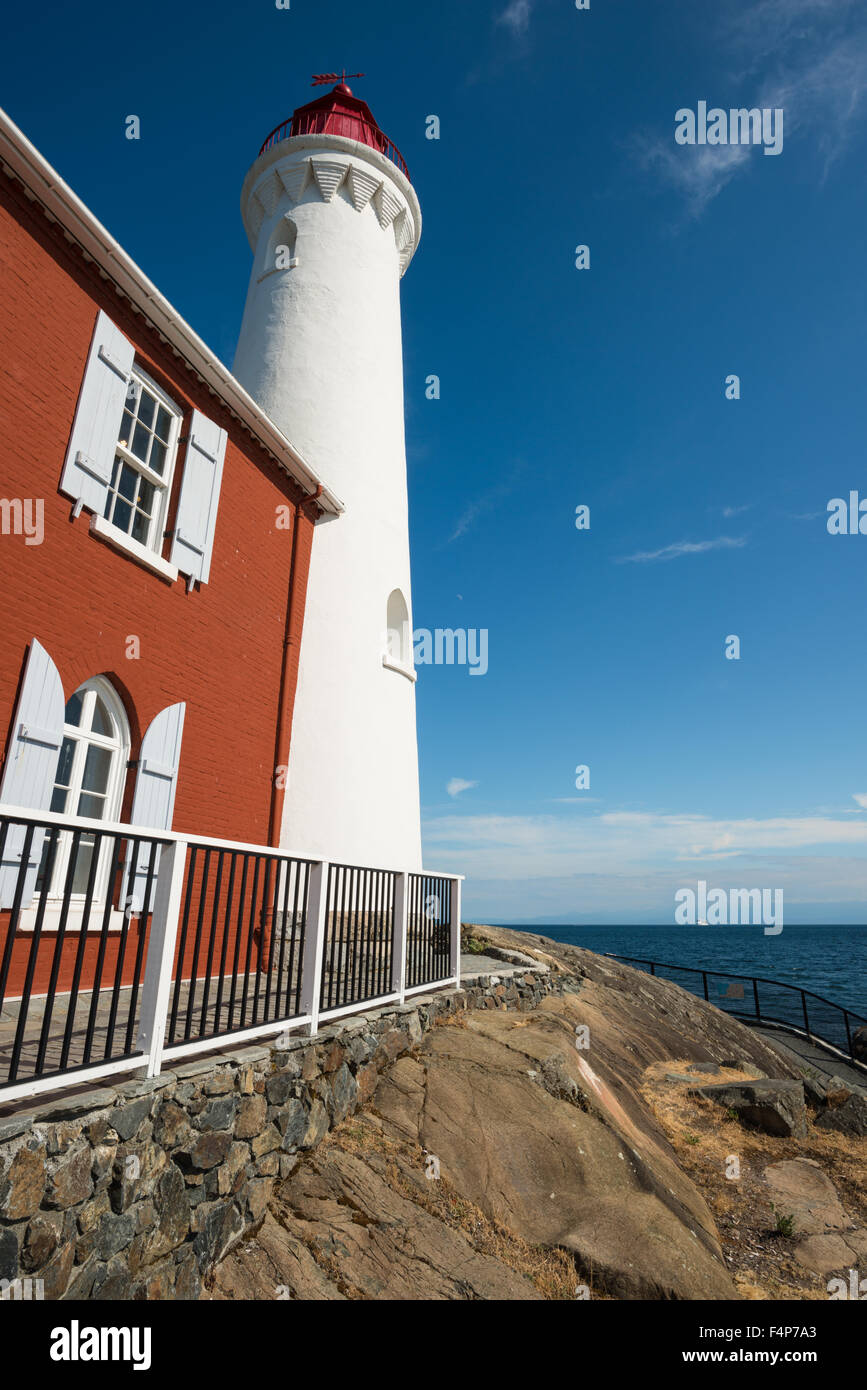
(829, 960)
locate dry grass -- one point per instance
(402, 1165)
(703, 1136)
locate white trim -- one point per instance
(49, 189)
(160, 482)
(231, 1040)
(435, 984)
(401, 670)
(119, 540)
(361, 1007)
(61, 1081)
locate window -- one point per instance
(398, 652)
(141, 476)
(89, 781)
(121, 457)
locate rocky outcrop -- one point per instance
(774, 1107)
(848, 1118)
(515, 1134)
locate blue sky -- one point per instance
(561, 387)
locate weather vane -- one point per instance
(321, 77)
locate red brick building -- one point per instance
(156, 536)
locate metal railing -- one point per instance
(351, 127)
(754, 999)
(429, 923)
(121, 949)
(358, 956)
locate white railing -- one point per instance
(160, 945)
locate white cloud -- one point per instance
(808, 57)
(678, 548)
(698, 172)
(861, 798)
(516, 16)
(736, 511)
(635, 861)
(458, 785)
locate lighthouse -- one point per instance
(333, 222)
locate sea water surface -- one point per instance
(829, 960)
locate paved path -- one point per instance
(801, 1051)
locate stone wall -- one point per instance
(137, 1190)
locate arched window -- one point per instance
(281, 249)
(89, 781)
(398, 637)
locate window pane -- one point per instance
(126, 429)
(147, 406)
(141, 526)
(140, 441)
(101, 718)
(146, 497)
(58, 800)
(122, 514)
(96, 770)
(158, 457)
(64, 762)
(82, 863)
(72, 713)
(92, 806)
(126, 483)
(164, 424)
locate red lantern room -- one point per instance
(338, 113)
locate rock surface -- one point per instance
(530, 1133)
(774, 1107)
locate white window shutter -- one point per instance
(153, 802)
(200, 492)
(98, 416)
(31, 766)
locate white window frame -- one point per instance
(120, 748)
(152, 548)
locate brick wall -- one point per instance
(219, 648)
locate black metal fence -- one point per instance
(117, 947)
(73, 940)
(429, 921)
(358, 947)
(756, 1000)
(240, 943)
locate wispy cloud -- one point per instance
(736, 511)
(807, 57)
(609, 861)
(699, 173)
(861, 798)
(458, 785)
(516, 16)
(486, 502)
(678, 548)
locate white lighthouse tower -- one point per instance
(334, 221)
